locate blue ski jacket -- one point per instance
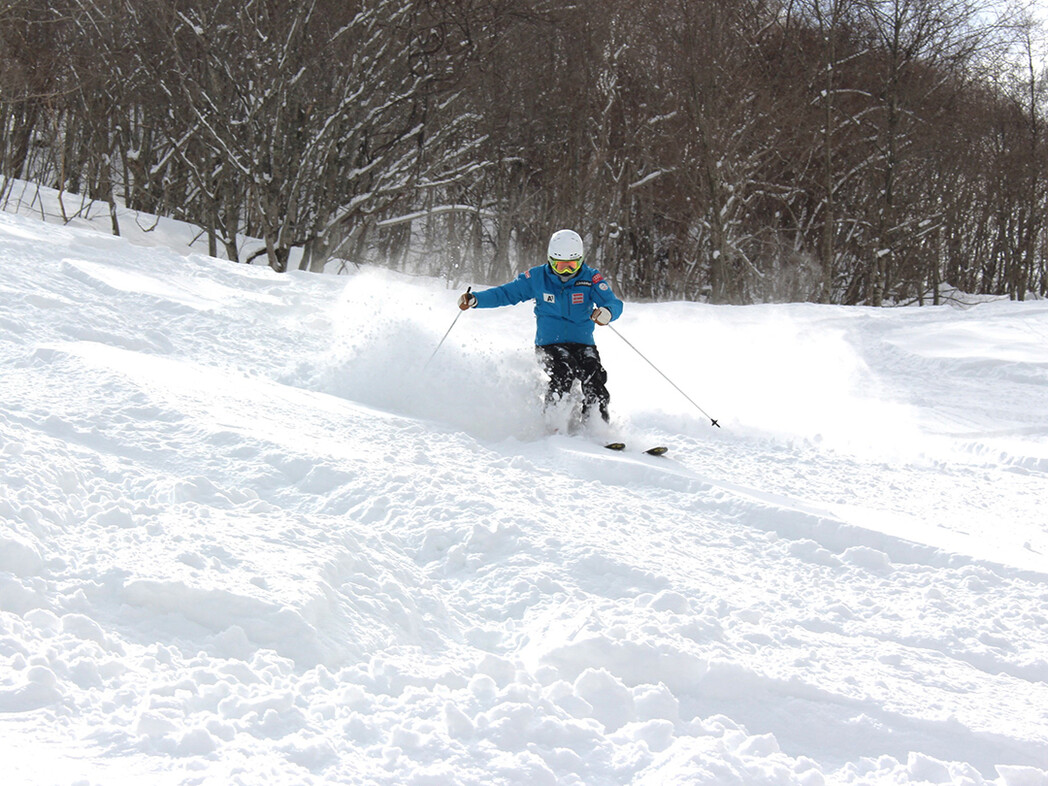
(562, 308)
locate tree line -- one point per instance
(840, 151)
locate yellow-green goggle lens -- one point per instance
(565, 265)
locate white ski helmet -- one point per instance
(565, 246)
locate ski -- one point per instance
(658, 450)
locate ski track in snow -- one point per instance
(247, 539)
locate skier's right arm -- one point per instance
(516, 291)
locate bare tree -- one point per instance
(32, 80)
(736, 151)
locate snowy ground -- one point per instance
(247, 538)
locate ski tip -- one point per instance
(659, 450)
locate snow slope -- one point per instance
(247, 537)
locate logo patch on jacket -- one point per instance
(548, 297)
(577, 298)
(598, 278)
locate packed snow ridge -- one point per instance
(247, 536)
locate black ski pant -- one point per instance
(564, 363)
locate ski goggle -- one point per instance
(562, 266)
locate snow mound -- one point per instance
(255, 531)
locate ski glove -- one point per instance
(467, 300)
(601, 316)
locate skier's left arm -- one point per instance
(608, 307)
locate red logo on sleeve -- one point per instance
(598, 278)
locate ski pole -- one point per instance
(713, 421)
(456, 319)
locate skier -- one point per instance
(570, 298)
